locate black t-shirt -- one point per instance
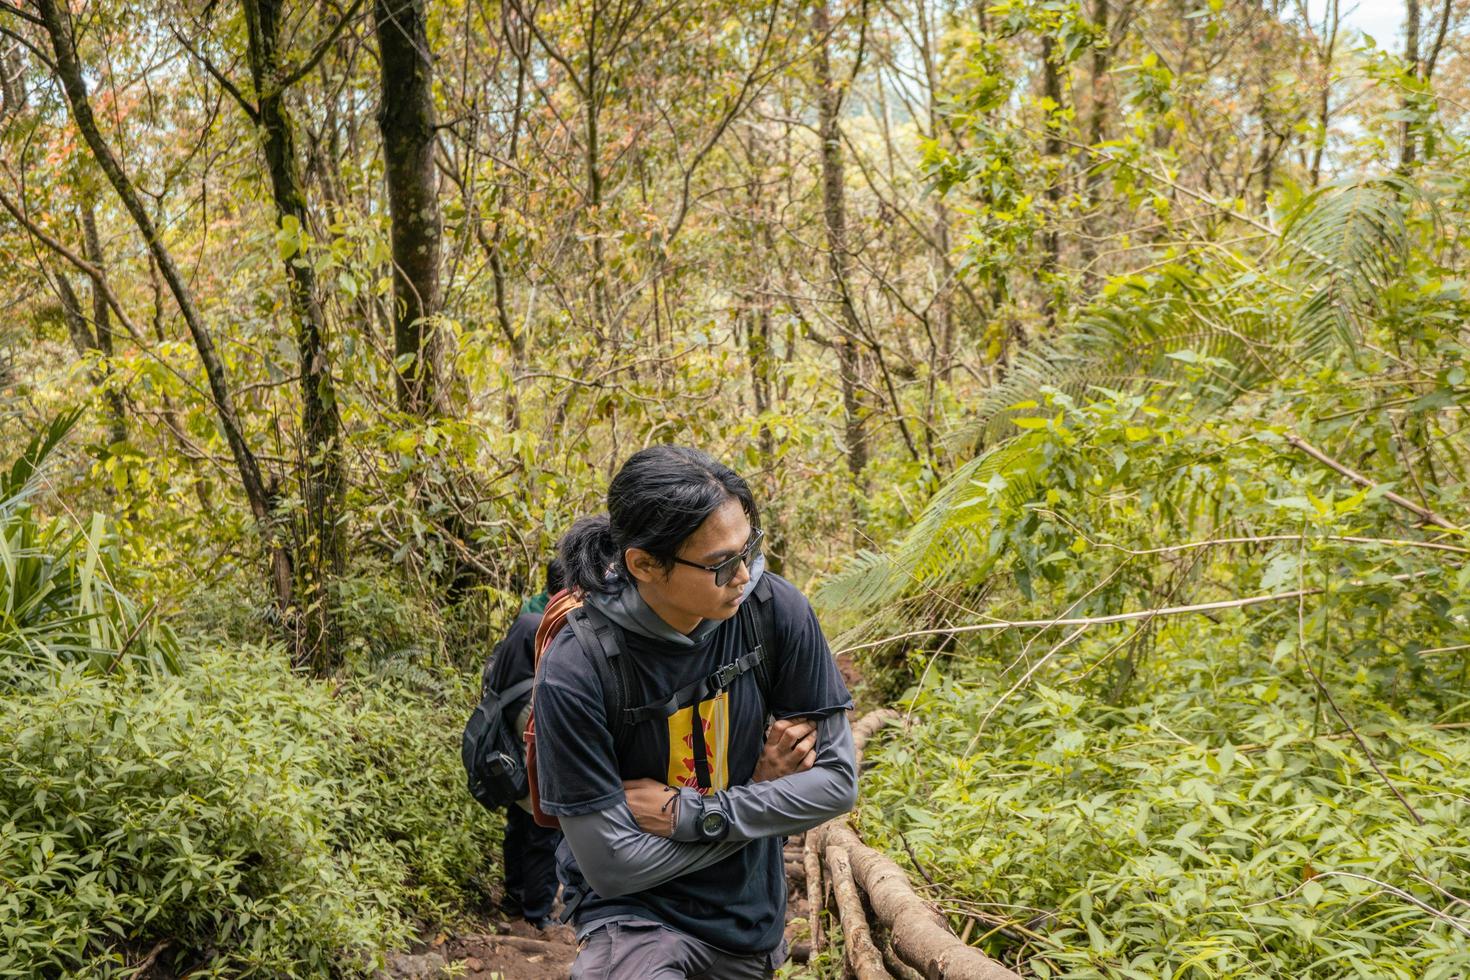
(738, 904)
(513, 659)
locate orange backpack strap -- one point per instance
(552, 621)
(554, 618)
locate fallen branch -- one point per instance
(814, 902)
(917, 934)
(1262, 746)
(897, 966)
(862, 956)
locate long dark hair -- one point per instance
(659, 497)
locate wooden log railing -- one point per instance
(920, 941)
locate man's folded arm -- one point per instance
(617, 858)
(790, 804)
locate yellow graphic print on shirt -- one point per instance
(715, 714)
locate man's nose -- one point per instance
(743, 575)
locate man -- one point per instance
(673, 811)
(529, 851)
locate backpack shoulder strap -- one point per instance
(517, 691)
(602, 644)
(757, 618)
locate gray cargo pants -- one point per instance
(637, 950)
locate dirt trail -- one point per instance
(515, 950)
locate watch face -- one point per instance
(712, 823)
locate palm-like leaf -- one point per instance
(952, 532)
(1346, 244)
(57, 601)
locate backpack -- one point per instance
(602, 641)
(491, 751)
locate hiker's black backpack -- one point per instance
(491, 750)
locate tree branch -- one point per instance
(198, 55)
(1202, 607)
(1424, 513)
(85, 267)
(321, 49)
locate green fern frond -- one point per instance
(18, 481)
(1342, 247)
(1347, 244)
(952, 532)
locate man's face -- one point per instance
(690, 594)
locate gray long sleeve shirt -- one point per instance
(618, 858)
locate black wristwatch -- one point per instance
(710, 823)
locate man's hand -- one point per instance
(654, 805)
(791, 746)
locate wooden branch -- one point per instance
(249, 108)
(7, 8)
(896, 965)
(862, 956)
(868, 725)
(920, 935)
(87, 268)
(814, 902)
(1201, 607)
(1424, 513)
(321, 49)
(1452, 726)
(1444, 24)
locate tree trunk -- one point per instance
(1408, 152)
(1096, 128)
(322, 549)
(834, 216)
(406, 120)
(1333, 19)
(102, 326)
(1051, 239)
(69, 70)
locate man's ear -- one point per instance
(643, 566)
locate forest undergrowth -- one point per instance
(1100, 367)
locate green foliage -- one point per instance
(1201, 832)
(59, 601)
(261, 823)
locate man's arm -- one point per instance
(790, 804)
(617, 858)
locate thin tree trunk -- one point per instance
(834, 215)
(518, 40)
(82, 340)
(1427, 70)
(1051, 239)
(102, 326)
(602, 306)
(1333, 18)
(58, 30)
(323, 547)
(1408, 152)
(943, 358)
(1096, 127)
(406, 120)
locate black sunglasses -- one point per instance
(725, 570)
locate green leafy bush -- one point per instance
(1201, 832)
(260, 823)
(59, 602)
